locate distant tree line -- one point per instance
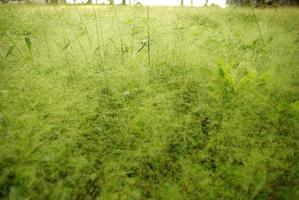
(182, 2)
(262, 2)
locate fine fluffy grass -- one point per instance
(211, 113)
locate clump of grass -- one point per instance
(216, 117)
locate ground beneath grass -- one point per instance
(215, 115)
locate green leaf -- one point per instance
(28, 42)
(9, 51)
(97, 49)
(66, 46)
(143, 44)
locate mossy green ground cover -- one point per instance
(84, 116)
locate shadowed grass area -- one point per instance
(84, 116)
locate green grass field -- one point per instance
(214, 115)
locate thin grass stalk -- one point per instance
(62, 24)
(132, 35)
(45, 35)
(121, 38)
(148, 38)
(85, 28)
(98, 37)
(258, 26)
(103, 40)
(20, 24)
(98, 48)
(68, 64)
(122, 52)
(18, 19)
(33, 60)
(14, 44)
(47, 44)
(132, 41)
(70, 27)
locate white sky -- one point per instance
(221, 3)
